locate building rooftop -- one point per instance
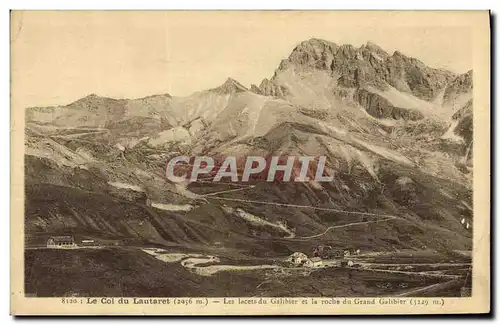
(62, 238)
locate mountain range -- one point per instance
(397, 134)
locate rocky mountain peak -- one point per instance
(374, 50)
(368, 65)
(399, 56)
(92, 99)
(319, 54)
(374, 47)
(230, 86)
(312, 53)
(315, 44)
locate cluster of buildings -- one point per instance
(301, 259)
(320, 253)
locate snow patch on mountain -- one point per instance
(172, 207)
(450, 133)
(258, 221)
(126, 186)
(174, 135)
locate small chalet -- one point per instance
(61, 242)
(314, 262)
(298, 258)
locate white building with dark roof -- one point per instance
(314, 262)
(61, 242)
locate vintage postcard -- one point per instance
(250, 162)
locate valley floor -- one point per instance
(152, 272)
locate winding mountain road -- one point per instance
(344, 226)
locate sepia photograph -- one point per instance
(250, 158)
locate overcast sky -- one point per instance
(58, 57)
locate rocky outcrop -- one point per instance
(405, 191)
(255, 89)
(411, 75)
(379, 107)
(462, 84)
(464, 118)
(269, 88)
